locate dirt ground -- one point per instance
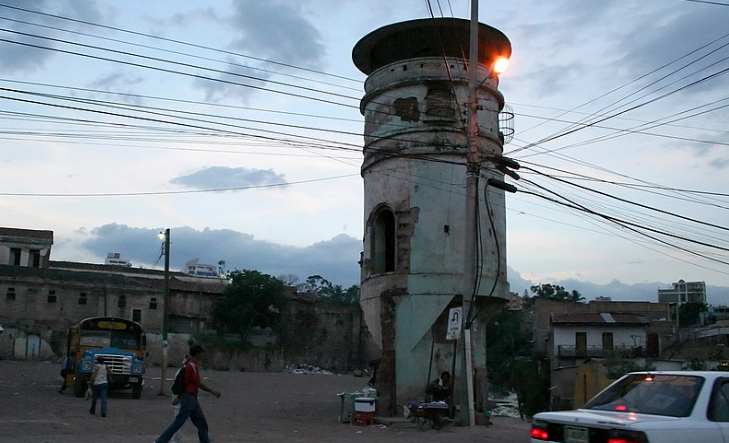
(254, 408)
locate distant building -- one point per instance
(195, 269)
(515, 302)
(28, 248)
(683, 292)
(602, 298)
(49, 295)
(114, 259)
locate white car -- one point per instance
(646, 407)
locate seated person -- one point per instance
(440, 388)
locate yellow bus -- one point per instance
(119, 341)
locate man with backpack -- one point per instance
(189, 405)
(177, 388)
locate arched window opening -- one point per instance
(383, 242)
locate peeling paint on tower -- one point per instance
(415, 109)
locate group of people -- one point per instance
(186, 405)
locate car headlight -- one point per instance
(137, 368)
(86, 366)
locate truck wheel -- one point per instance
(136, 391)
(79, 387)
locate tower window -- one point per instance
(10, 295)
(122, 301)
(52, 296)
(383, 242)
(82, 299)
(153, 303)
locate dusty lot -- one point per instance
(254, 408)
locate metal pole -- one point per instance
(165, 317)
(469, 272)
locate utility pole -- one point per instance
(473, 167)
(166, 314)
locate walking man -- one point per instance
(189, 406)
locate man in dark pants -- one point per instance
(189, 406)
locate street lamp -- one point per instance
(165, 311)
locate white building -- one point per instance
(582, 336)
(195, 269)
(115, 259)
(683, 292)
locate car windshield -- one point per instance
(659, 394)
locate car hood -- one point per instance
(587, 417)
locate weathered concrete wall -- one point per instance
(414, 166)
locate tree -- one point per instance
(289, 279)
(331, 294)
(252, 299)
(547, 291)
(688, 313)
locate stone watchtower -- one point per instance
(415, 108)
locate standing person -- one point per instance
(189, 406)
(99, 382)
(65, 369)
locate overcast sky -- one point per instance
(236, 125)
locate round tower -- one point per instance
(414, 170)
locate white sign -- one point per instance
(454, 324)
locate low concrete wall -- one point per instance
(19, 345)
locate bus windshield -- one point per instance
(116, 339)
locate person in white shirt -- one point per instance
(99, 383)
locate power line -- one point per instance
(194, 191)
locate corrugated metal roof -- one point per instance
(26, 233)
(603, 318)
(88, 273)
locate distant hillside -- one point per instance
(618, 291)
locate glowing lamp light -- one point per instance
(161, 236)
(501, 65)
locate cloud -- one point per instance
(19, 57)
(120, 83)
(239, 82)
(279, 31)
(719, 163)
(335, 259)
(223, 177)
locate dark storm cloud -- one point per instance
(223, 177)
(335, 259)
(18, 57)
(278, 31)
